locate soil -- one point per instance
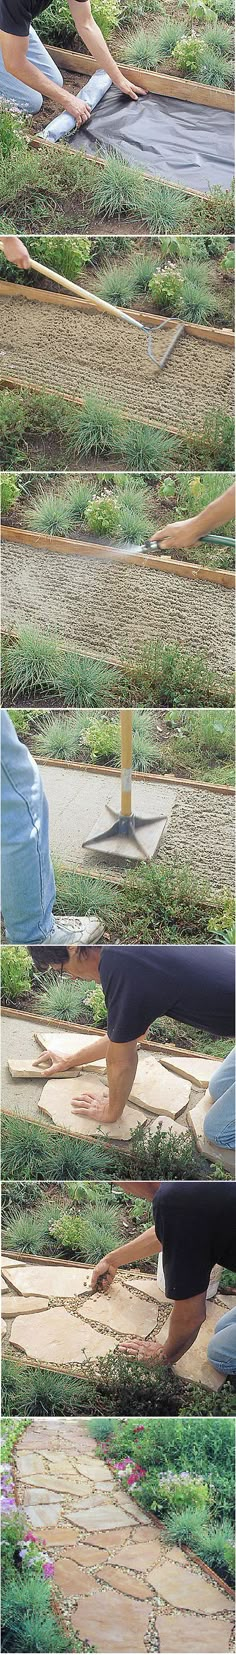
(70, 350)
(119, 596)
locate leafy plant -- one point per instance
(187, 54)
(10, 492)
(36, 666)
(102, 516)
(16, 973)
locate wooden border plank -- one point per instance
(171, 86)
(56, 544)
(40, 295)
(169, 780)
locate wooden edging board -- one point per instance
(169, 780)
(57, 544)
(87, 1028)
(171, 86)
(40, 295)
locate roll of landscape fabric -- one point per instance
(93, 91)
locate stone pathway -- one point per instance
(160, 1096)
(52, 1317)
(120, 1586)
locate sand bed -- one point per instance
(199, 830)
(131, 605)
(70, 350)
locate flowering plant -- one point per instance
(28, 1550)
(131, 1473)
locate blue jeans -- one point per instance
(13, 91)
(222, 1347)
(219, 1123)
(28, 885)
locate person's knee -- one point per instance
(215, 1355)
(34, 102)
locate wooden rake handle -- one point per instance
(82, 293)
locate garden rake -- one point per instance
(123, 833)
(110, 310)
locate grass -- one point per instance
(88, 504)
(119, 1386)
(55, 1228)
(198, 743)
(176, 905)
(37, 668)
(31, 1151)
(99, 431)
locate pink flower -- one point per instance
(30, 1535)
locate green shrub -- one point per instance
(28, 1622)
(35, 667)
(187, 55)
(228, 263)
(16, 973)
(165, 287)
(213, 1543)
(58, 25)
(12, 129)
(97, 1005)
(101, 516)
(102, 741)
(90, 1235)
(10, 492)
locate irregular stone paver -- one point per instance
(56, 1101)
(3, 1285)
(96, 1470)
(195, 1365)
(61, 1042)
(123, 1582)
(158, 1090)
(185, 1587)
(14, 1306)
(140, 1553)
(147, 1285)
(115, 1622)
(3, 1326)
(74, 1582)
(181, 1633)
(196, 1069)
(56, 1281)
(196, 1118)
(98, 1517)
(42, 1495)
(57, 1338)
(118, 1311)
(35, 1516)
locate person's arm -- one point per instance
(94, 40)
(181, 536)
(53, 1065)
(186, 1319)
(14, 52)
(142, 1247)
(121, 1070)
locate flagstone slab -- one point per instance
(195, 1365)
(119, 1310)
(99, 1518)
(148, 1286)
(3, 1325)
(14, 1306)
(123, 1582)
(158, 1090)
(111, 1540)
(3, 1285)
(141, 1555)
(94, 1470)
(34, 1492)
(181, 1633)
(56, 1338)
(128, 1503)
(187, 1588)
(56, 1102)
(112, 1622)
(84, 1552)
(72, 1580)
(62, 1043)
(36, 1516)
(196, 1069)
(56, 1281)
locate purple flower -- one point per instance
(7, 1505)
(48, 1569)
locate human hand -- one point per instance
(52, 1065)
(96, 1109)
(103, 1276)
(145, 1349)
(129, 89)
(16, 251)
(177, 537)
(77, 108)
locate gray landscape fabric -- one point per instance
(184, 143)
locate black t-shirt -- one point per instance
(196, 1224)
(17, 15)
(192, 984)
